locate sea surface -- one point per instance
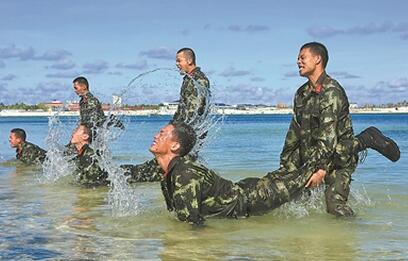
(61, 221)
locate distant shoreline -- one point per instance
(224, 111)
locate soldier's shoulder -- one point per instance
(190, 168)
(301, 89)
(92, 97)
(29, 145)
(199, 75)
(331, 83)
(333, 87)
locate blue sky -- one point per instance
(247, 48)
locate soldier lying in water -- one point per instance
(88, 173)
(26, 152)
(195, 192)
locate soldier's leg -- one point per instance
(338, 189)
(275, 189)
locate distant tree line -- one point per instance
(23, 106)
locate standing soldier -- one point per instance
(26, 152)
(90, 109)
(320, 126)
(192, 110)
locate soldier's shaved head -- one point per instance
(81, 80)
(318, 49)
(20, 133)
(189, 53)
(185, 135)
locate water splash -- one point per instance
(313, 201)
(310, 201)
(123, 199)
(57, 164)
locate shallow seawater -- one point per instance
(61, 221)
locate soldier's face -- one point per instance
(14, 140)
(182, 63)
(79, 135)
(164, 142)
(79, 89)
(307, 62)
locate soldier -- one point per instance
(88, 172)
(26, 152)
(320, 126)
(90, 108)
(194, 192)
(192, 109)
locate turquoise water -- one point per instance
(60, 221)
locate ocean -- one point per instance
(61, 221)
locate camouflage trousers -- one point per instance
(281, 186)
(339, 179)
(274, 189)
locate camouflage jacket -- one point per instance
(88, 172)
(194, 95)
(194, 192)
(90, 110)
(149, 171)
(31, 154)
(321, 120)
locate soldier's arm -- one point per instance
(289, 157)
(149, 171)
(326, 134)
(90, 171)
(186, 198)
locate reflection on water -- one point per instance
(61, 221)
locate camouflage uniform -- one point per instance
(192, 105)
(92, 115)
(90, 110)
(321, 134)
(31, 154)
(88, 173)
(191, 110)
(195, 192)
(149, 171)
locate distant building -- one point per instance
(353, 106)
(73, 106)
(54, 105)
(281, 105)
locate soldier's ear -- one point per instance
(175, 147)
(318, 59)
(85, 136)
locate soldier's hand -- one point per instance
(316, 179)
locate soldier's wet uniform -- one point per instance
(194, 192)
(195, 90)
(31, 154)
(321, 134)
(88, 173)
(92, 115)
(90, 111)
